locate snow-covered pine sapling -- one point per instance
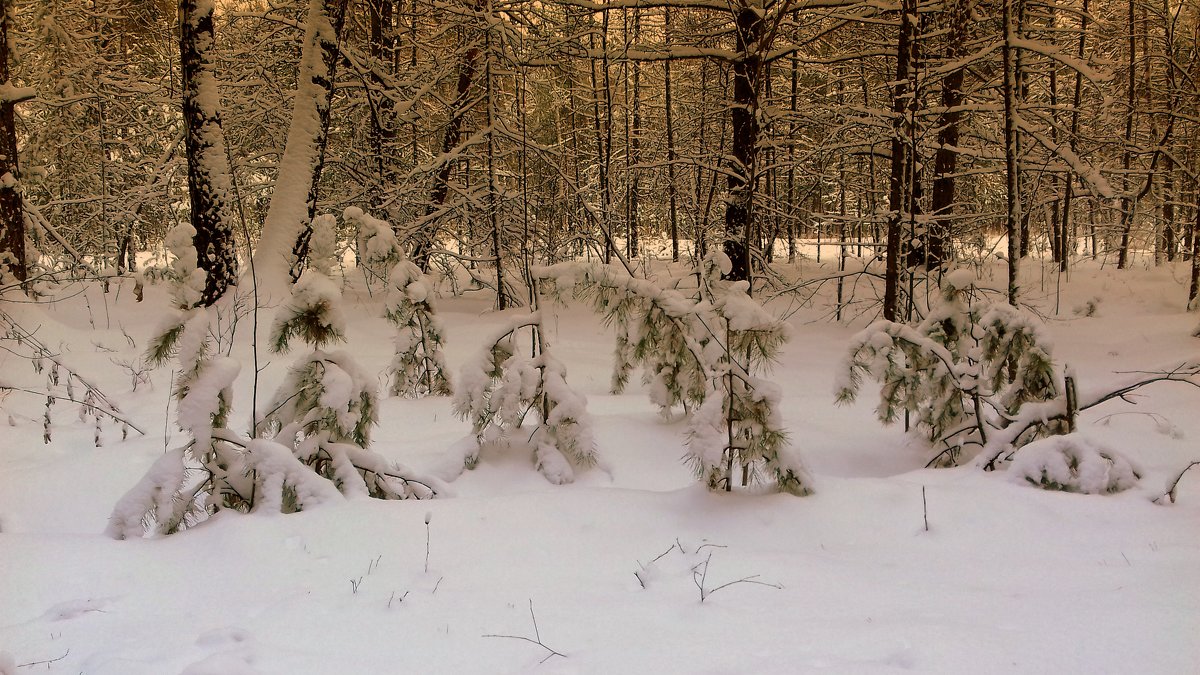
(1073, 463)
(509, 379)
(660, 329)
(378, 248)
(209, 473)
(326, 405)
(686, 361)
(419, 367)
(738, 429)
(960, 374)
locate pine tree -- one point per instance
(327, 404)
(419, 367)
(739, 428)
(671, 335)
(504, 383)
(963, 371)
(188, 484)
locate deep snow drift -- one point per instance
(614, 567)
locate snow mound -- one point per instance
(1073, 463)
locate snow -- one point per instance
(1008, 578)
(1073, 463)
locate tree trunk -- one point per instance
(1128, 201)
(1013, 195)
(744, 136)
(897, 185)
(672, 199)
(1194, 287)
(208, 163)
(12, 218)
(382, 46)
(633, 92)
(288, 225)
(468, 67)
(1167, 243)
(945, 159)
(1067, 238)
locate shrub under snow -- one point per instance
(1073, 463)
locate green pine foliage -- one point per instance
(735, 435)
(208, 474)
(326, 406)
(419, 366)
(961, 373)
(504, 384)
(659, 329)
(313, 313)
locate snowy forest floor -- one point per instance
(1006, 579)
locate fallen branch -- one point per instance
(46, 663)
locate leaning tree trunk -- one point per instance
(744, 135)
(468, 68)
(287, 228)
(12, 219)
(208, 163)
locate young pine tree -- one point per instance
(960, 374)
(326, 406)
(418, 367)
(735, 426)
(511, 378)
(188, 484)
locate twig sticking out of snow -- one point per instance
(700, 578)
(1173, 486)
(536, 639)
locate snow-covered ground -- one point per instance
(629, 569)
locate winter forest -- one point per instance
(599, 336)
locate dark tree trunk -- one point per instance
(12, 219)
(1128, 201)
(382, 45)
(744, 135)
(208, 163)
(1168, 243)
(1194, 287)
(898, 187)
(945, 159)
(634, 93)
(672, 199)
(1067, 238)
(468, 67)
(1012, 177)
